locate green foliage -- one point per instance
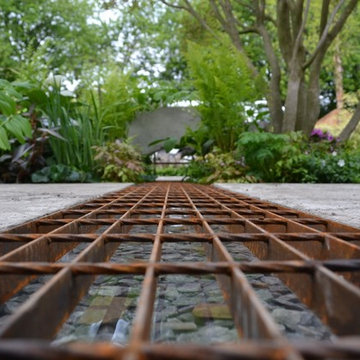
(338, 167)
(118, 161)
(294, 158)
(58, 173)
(171, 171)
(12, 123)
(199, 141)
(117, 103)
(28, 27)
(262, 151)
(223, 82)
(217, 166)
(79, 130)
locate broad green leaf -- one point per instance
(7, 105)
(4, 141)
(19, 127)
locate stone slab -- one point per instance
(24, 202)
(338, 202)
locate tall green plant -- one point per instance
(224, 83)
(117, 103)
(80, 130)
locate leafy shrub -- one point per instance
(171, 171)
(294, 158)
(12, 123)
(224, 84)
(340, 166)
(217, 166)
(118, 161)
(60, 173)
(262, 151)
(28, 134)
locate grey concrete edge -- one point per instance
(23, 203)
(337, 202)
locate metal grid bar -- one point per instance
(318, 259)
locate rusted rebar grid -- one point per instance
(318, 259)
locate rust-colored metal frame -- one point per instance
(317, 259)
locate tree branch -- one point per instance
(173, 5)
(189, 8)
(218, 15)
(249, 30)
(324, 36)
(344, 16)
(324, 16)
(285, 35)
(301, 31)
(351, 125)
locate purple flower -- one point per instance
(318, 133)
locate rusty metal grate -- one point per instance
(316, 258)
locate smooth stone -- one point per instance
(171, 293)
(289, 318)
(169, 311)
(224, 323)
(170, 257)
(180, 326)
(288, 305)
(186, 317)
(213, 311)
(264, 295)
(185, 301)
(209, 334)
(190, 288)
(270, 280)
(252, 277)
(290, 297)
(215, 299)
(258, 284)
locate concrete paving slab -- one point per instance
(23, 202)
(339, 202)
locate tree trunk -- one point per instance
(302, 115)
(312, 96)
(275, 108)
(338, 73)
(293, 98)
(274, 96)
(351, 126)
